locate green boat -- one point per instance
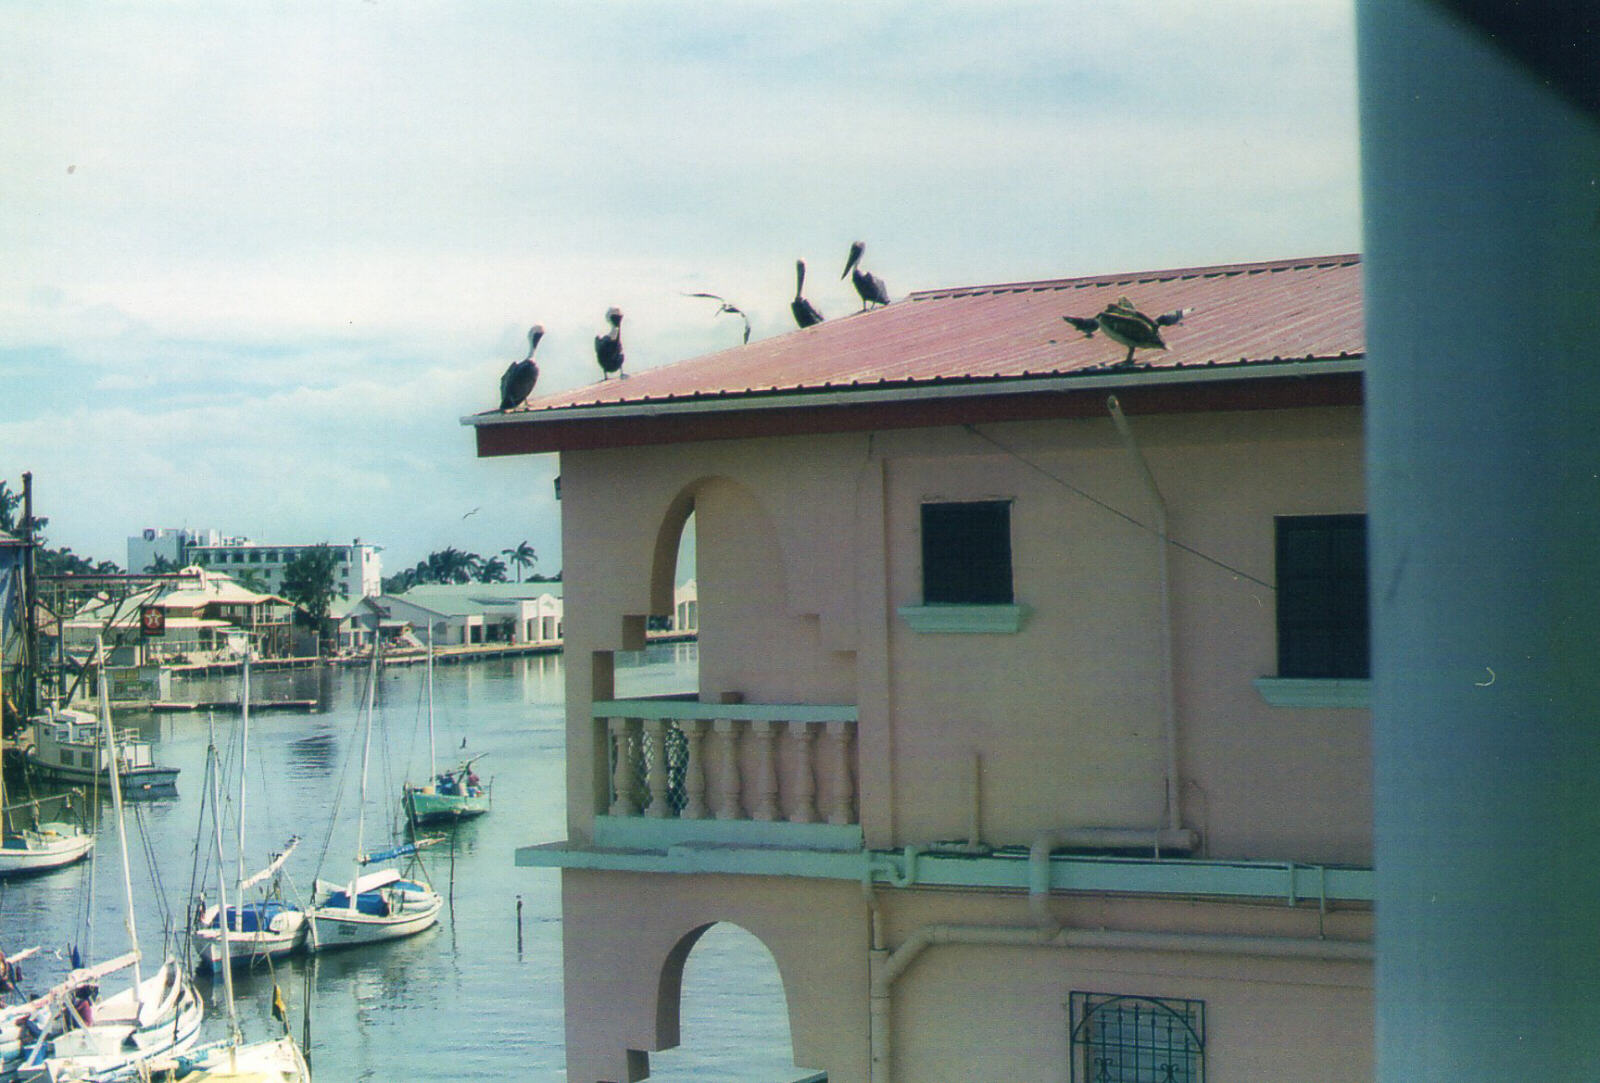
(452, 795)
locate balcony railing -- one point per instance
(764, 762)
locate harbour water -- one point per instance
(459, 1001)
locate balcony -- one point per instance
(757, 774)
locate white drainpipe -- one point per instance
(1174, 813)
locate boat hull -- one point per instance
(404, 913)
(275, 1061)
(134, 779)
(43, 850)
(423, 807)
(284, 934)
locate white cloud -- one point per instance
(257, 261)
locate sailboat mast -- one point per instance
(222, 880)
(433, 760)
(366, 753)
(114, 770)
(244, 755)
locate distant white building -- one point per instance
(358, 574)
(170, 543)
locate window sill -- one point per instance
(964, 619)
(1315, 691)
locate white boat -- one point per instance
(378, 905)
(262, 928)
(153, 1016)
(158, 1015)
(66, 744)
(451, 796)
(41, 844)
(277, 1060)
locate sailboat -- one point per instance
(154, 1015)
(452, 795)
(233, 1060)
(378, 905)
(264, 928)
(47, 844)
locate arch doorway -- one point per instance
(733, 1020)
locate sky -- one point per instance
(257, 261)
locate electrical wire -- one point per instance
(1118, 512)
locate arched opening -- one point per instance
(668, 662)
(732, 1018)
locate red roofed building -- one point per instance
(1032, 733)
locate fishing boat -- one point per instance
(264, 928)
(377, 905)
(452, 795)
(153, 1016)
(66, 745)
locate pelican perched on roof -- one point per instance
(805, 313)
(868, 285)
(520, 376)
(608, 347)
(728, 307)
(1126, 325)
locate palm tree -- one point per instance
(522, 556)
(451, 565)
(492, 570)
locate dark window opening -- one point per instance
(966, 553)
(1133, 1039)
(1322, 596)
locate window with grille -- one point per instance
(966, 553)
(1322, 596)
(1137, 1039)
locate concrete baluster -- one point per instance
(843, 806)
(802, 784)
(625, 773)
(726, 799)
(694, 771)
(764, 801)
(660, 807)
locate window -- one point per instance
(1135, 1039)
(1322, 596)
(966, 553)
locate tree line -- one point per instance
(452, 565)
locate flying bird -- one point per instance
(520, 377)
(608, 347)
(805, 313)
(868, 285)
(1129, 327)
(727, 307)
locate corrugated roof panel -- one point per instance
(1241, 313)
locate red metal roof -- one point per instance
(1246, 313)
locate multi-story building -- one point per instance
(359, 570)
(170, 544)
(1032, 733)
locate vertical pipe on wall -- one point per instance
(1482, 298)
(1169, 691)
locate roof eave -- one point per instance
(812, 411)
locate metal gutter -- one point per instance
(943, 391)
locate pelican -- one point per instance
(1129, 327)
(805, 313)
(868, 285)
(728, 307)
(608, 347)
(520, 377)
